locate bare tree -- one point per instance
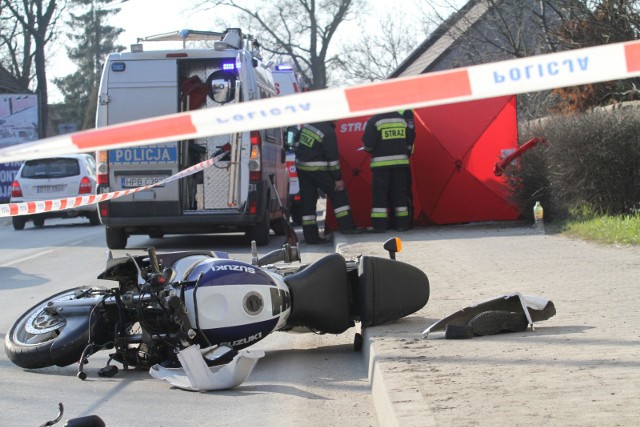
(597, 23)
(301, 30)
(380, 48)
(506, 29)
(36, 22)
(14, 43)
(494, 30)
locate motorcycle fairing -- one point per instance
(123, 267)
(238, 337)
(535, 308)
(195, 375)
(222, 272)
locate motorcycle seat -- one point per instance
(320, 296)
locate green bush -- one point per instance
(589, 160)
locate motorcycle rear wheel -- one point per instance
(29, 340)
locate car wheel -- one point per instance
(38, 222)
(18, 222)
(116, 238)
(94, 218)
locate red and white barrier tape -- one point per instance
(30, 208)
(535, 73)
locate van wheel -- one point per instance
(259, 233)
(278, 227)
(94, 218)
(116, 238)
(18, 222)
(38, 222)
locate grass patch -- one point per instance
(623, 229)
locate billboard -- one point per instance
(18, 124)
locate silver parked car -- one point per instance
(55, 178)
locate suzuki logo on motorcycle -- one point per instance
(231, 267)
(242, 341)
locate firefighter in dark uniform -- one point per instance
(318, 165)
(389, 137)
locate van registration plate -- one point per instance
(140, 181)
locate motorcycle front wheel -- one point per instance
(29, 341)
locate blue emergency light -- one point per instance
(118, 66)
(284, 67)
(228, 66)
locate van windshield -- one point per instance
(50, 168)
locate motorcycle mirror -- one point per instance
(109, 256)
(153, 258)
(254, 253)
(393, 245)
(58, 418)
(88, 421)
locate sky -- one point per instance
(142, 18)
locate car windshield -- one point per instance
(50, 168)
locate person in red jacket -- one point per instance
(318, 166)
(389, 138)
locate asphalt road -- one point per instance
(304, 379)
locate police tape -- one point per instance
(530, 74)
(42, 206)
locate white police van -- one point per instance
(238, 193)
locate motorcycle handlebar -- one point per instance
(93, 301)
(286, 254)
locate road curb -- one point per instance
(394, 402)
(394, 405)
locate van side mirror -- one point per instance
(221, 87)
(220, 91)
